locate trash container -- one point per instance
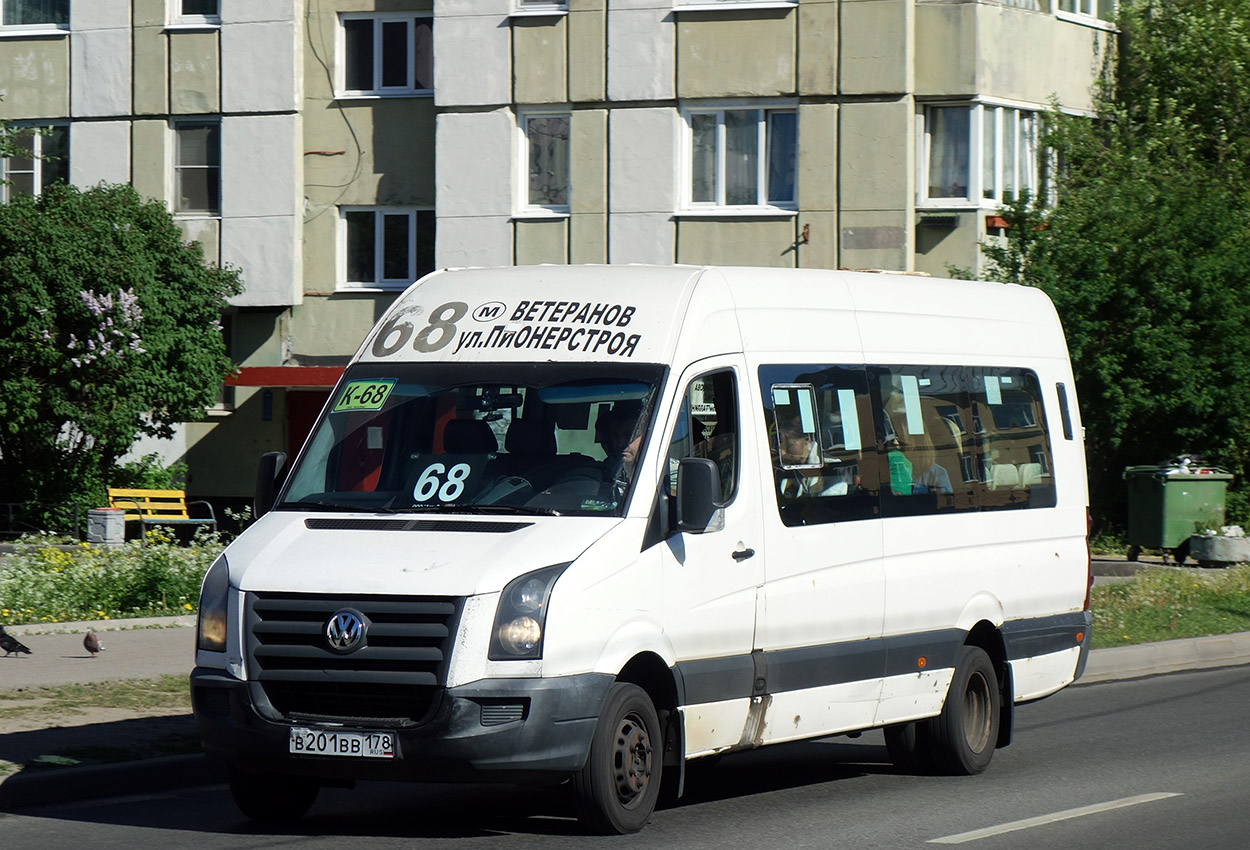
(106, 526)
(1169, 503)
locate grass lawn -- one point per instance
(1164, 603)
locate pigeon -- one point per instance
(91, 643)
(11, 644)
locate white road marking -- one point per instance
(1042, 820)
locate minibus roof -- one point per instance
(662, 314)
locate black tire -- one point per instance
(909, 747)
(965, 733)
(616, 791)
(272, 798)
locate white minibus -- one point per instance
(589, 523)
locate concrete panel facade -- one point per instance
(260, 71)
(542, 242)
(151, 70)
(265, 249)
(100, 54)
(736, 54)
(99, 151)
(194, 73)
(481, 76)
(150, 170)
(818, 40)
(876, 46)
(768, 242)
(34, 77)
(540, 61)
(587, 47)
(641, 61)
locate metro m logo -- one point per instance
(489, 312)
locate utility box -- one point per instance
(1168, 504)
(106, 526)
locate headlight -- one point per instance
(214, 593)
(518, 629)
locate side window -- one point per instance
(708, 427)
(923, 432)
(819, 426)
(1015, 461)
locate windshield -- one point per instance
(546, 438)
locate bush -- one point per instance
(49, 581)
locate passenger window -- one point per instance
(817, 417)
(922, 431)
(953, 438)
(707, 427)
(1015, 460)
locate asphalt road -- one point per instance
(1161, 762)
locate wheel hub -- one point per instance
(632, 759)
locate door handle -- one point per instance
(743, 554)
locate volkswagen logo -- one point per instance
(345, 630)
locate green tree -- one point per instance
(1146, 253)
(109, 329)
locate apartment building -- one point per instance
(335, 150)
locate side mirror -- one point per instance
(698, 496)
(268, 481)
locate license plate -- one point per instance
(325, 742)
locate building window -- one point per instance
(1102, 10)
(197, 168)
(542, 6)
(196, 11)
(385, 247)
(545, 158)
(978, 154)
(44, 160)
(742, 157)
(387, 54)
(41, 13)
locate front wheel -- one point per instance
(965, 733)
(617, 789)
(272, 797)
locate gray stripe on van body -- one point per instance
(734, 677)
(1044, 635)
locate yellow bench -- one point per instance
(158, 507)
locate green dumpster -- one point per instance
(1168, 504)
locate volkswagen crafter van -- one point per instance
(587, 524)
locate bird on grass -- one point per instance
(11, 644)
(91, 643)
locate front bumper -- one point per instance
(497, 730)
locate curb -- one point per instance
(1169, 656)
(74, 784)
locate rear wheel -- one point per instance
(966, 732)
(272, 797)
(617, 789)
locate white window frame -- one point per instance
(1086, 12)
(38, 164)
(178, 19)
(524, 208)
(763, 206)
(19, 29)
(998, 118)
(176, 167)
(718, 5)
(379, 283)
(409, 89)
(539, 8)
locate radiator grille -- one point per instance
(396, 675)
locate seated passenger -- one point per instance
(802, 465)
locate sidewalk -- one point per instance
(140, 649)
